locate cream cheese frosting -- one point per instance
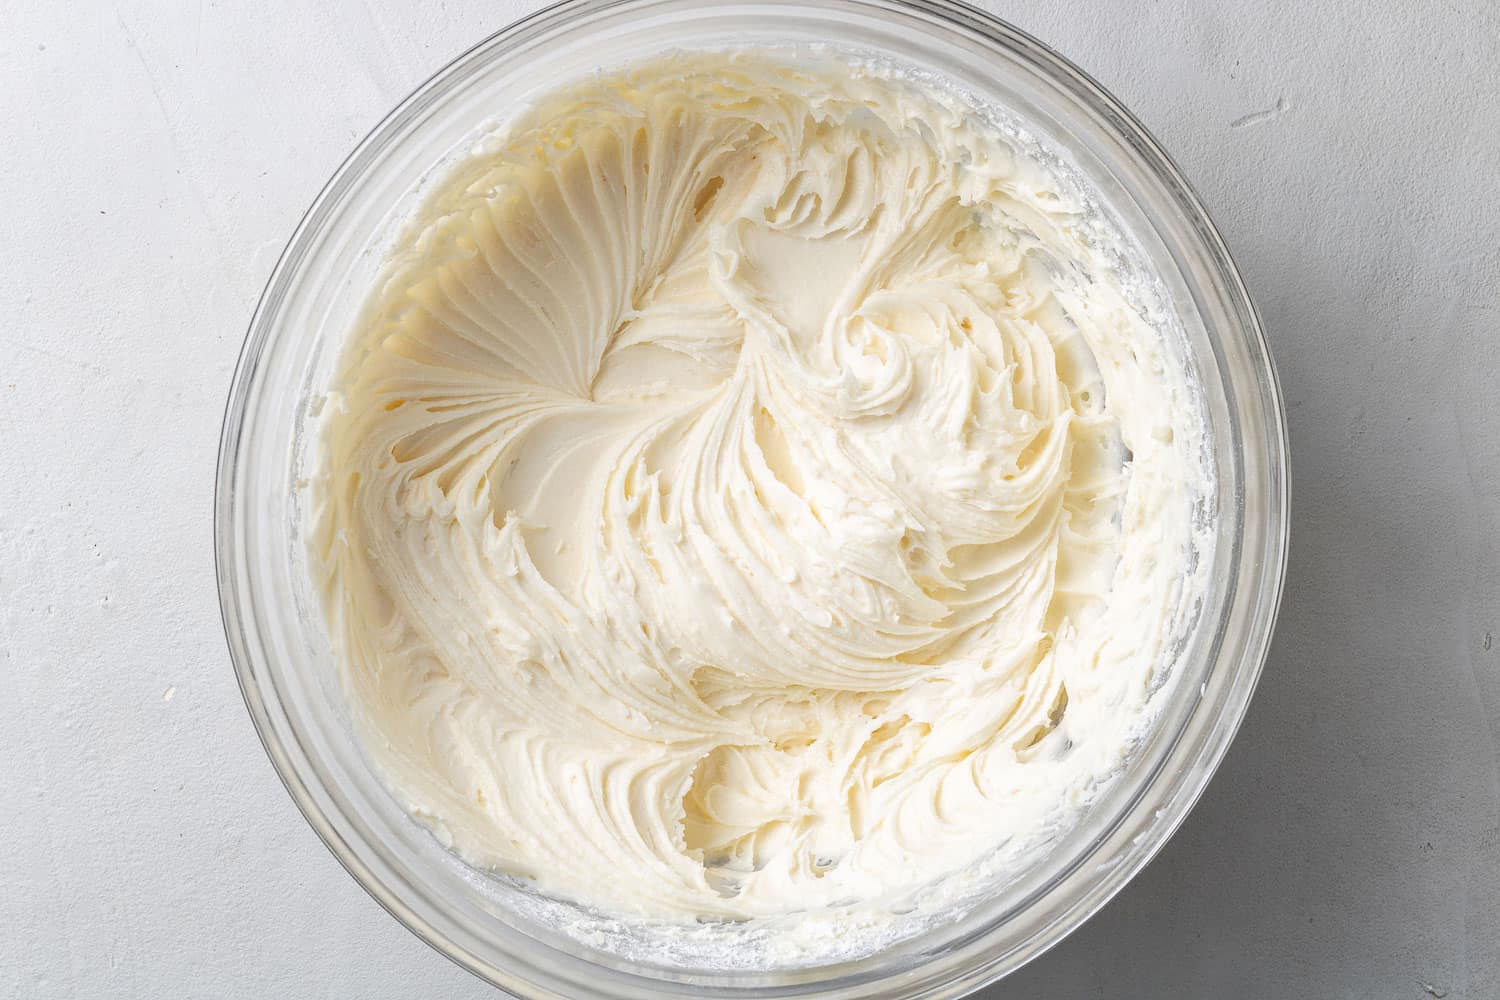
(752, 489)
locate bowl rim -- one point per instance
(1277, 486)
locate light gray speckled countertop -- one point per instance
(156, 156)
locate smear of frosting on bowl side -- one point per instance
(752, 490)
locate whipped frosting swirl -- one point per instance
(749, 490)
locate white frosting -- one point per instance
(752, 491)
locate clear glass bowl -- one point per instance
(276, 632)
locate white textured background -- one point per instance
(155, 157)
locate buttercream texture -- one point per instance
(749, 489)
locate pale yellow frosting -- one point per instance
(751, 490)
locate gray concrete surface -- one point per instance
(154, 158)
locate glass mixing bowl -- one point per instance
(275, 628)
